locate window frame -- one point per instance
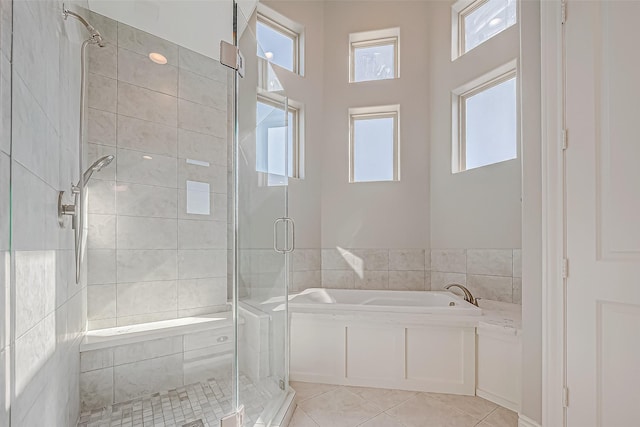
(459, 97)
(386, 41)
(262, 18)
(371, 39)
(368, 113)
(460, 10)
(295, 110)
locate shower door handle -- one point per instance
(288, 248)
(293, 235)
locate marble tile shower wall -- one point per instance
(5, 168)
(122, 373)
(44, 313)
(158, 219)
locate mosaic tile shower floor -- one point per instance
(184, 406)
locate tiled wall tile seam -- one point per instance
(172, 83)
(178, 69)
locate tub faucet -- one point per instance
(467, 294)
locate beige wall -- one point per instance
(376, 214)
(304, 201)
(531, 213)
(479, 208)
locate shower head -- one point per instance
(97, 166)
(96, 37)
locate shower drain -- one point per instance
(197, 423)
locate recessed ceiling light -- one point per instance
(147, 157)
(495, 21)
(158, 58)
(268, 55)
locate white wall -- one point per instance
(304, 201)
(479, 208)
(376, 214)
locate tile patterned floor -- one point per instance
(321, 405)
(196, 405)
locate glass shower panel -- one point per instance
(264, 235)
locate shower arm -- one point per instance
(96, 37)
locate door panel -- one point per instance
(262, 273)
(603, 213)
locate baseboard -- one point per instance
(498, 400)
(526, 422)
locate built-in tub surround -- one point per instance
(421, 341)
(336, 333)
(157, 243)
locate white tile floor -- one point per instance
(196, 405)
(321, 405)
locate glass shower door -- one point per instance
(263, 233)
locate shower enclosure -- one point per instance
(178, 312)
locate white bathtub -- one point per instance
(434, 302)
(422, 341)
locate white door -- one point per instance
(603, 213)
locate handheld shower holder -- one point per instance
(67, 209)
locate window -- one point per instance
(373, 144)
(374, 55)
(485, 131)
(475, 22)
(278, 44)
(274, 144)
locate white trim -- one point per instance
(291, 26)
(386, 37)
(364, 36)
(456, 8)
(487, 78)
(459, 95)
(364, 113)
(459, 10)
(498, 400)
(553, 334)
(524, 421)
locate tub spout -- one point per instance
(468, 296)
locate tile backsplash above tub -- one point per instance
(401, 269)
(489, 273)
